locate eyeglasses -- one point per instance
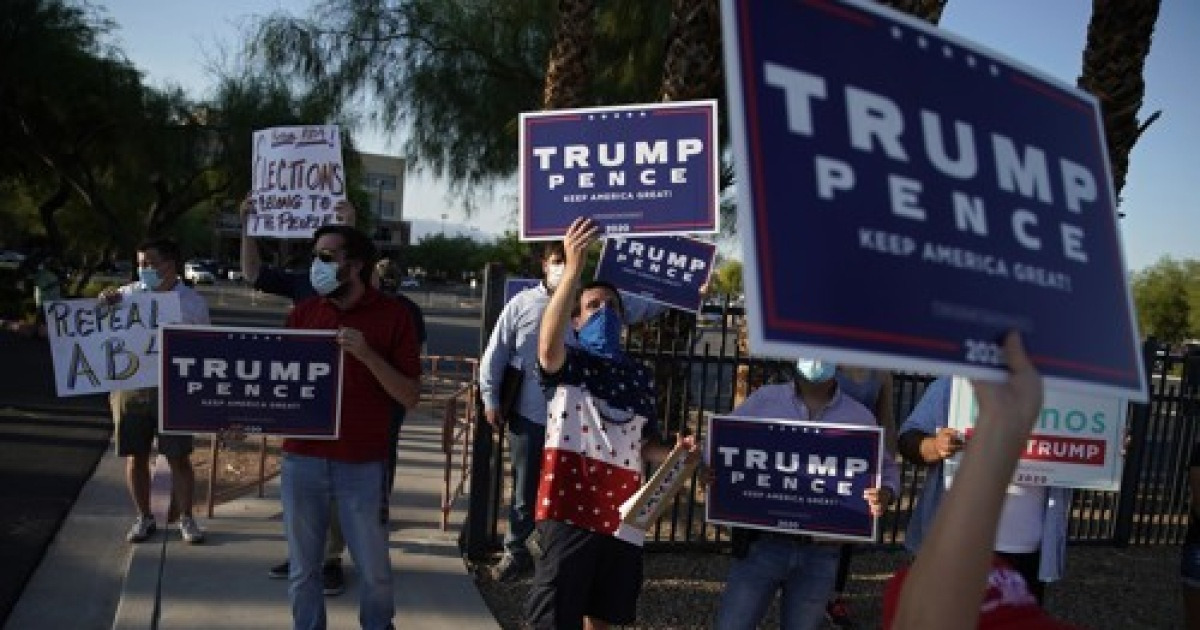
(326, 255)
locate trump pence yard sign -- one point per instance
(906, 197)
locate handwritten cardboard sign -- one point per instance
(296, 179)
(97, 347)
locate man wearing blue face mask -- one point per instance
(601, 426)
(135, 412)
(802, 568)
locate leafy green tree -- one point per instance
(727, 279)
(1162, 294)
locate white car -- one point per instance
(199, 275)
(235, 274)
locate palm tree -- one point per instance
(569, 68)
(1118, 41)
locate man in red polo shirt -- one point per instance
(382, 366)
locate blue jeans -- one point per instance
(525, 442)
(805, 571)
(308, 485)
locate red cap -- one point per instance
(1007, 603)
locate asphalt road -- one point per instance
(48, 450)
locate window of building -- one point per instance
(380, 181)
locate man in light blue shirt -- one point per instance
(1032, 533)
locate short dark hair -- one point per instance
(553, 247)
(358, 246)
(599, 284)
(167, 249)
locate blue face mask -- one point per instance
(601, 333)
(816, 370)
(323, 276)
(149, 278)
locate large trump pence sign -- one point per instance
(257, 380)
(906, 197)
(634, 169)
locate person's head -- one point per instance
(554, 259)
(599, 315)
(385, 277)
(158, 263)
(343, 259)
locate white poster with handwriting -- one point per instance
(297, 178)
(99, 347)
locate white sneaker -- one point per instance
(142, 529)
(190, 531)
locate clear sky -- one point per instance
(178, 42)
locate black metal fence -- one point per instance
(698, 367)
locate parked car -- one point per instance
(410, 283)
(196, 273)
(230, 272)
(10, 259)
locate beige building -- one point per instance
(383, 179)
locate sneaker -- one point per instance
(838, 613)
(333, 580)
(279, 571)
(142, 529)
(190, 531)
(511, 567)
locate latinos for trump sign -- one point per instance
(634, 169)
(266, 381)
(297, 178)
(670, 270)
(906, 214)
(98, 347)
(793, 476)
(1076, 442)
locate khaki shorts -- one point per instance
(135, 413)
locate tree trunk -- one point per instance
(47, 209)
(692, 67)
(1114, 61)
(569, 69)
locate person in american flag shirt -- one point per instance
(601, 428)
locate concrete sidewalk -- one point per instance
(90, 578)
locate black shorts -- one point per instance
(582, 573)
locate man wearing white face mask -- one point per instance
(135, 412)
(803, 568)
(514, 343)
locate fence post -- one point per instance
(1139, 421)
(482, 502)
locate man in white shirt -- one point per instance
(135, 412)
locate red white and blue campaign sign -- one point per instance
(667, 269)
(793, 476)
(634, 169)
(266, 381)
(514, 285)
(904, 214)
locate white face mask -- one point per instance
(324, 277)
(554, 274)
(816, 370)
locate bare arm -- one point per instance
(552, 349)
(405, 390)
(946, 585)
